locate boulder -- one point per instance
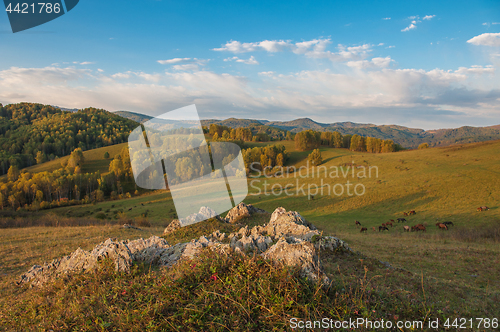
(291, 223)
(173, 226)
(299, 253)
(241, 211)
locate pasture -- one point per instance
(459, 266)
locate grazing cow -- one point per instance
(412, 212)
(483, 208)
(406, 228)
(374, 229)
(357, 223)
(388, 224)
(383, 225)
(382, 228)
(441, 226)
(448, 223)
(401, 220)
(405, 214)
(392, 220)
(363, 229)
(414, 228)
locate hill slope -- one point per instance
(34, 133)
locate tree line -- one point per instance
(310, 139)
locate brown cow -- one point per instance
(388, 224)
(442, 226)
(483, 208)
(374, 229)
(406, 228)
(357, 223)
(405, 214)
(392, 220)
(448, 223)
(382, 228)
(412, 212)
(363, 229)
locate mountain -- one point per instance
(406, 137)
(137, 117)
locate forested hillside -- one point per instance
(34, 133)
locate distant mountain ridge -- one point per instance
(407, 137)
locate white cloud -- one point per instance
(374, 63)
(315, 48)
(477, 70)
(392, 46)
(250, 61)
(410, 27)
(182, 64)
(485, 23)
(100, 70)
(364, 91)
(83, 63)
(267, 73)
(415, 20)
(486, 39)
(175, 60)
(495, 23)
(386, 18)
(189, 66)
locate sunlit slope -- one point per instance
(94, 160)
(439, 183)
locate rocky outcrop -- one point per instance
(287, 239)
(241, 211)
(204, 214)
(298, 253)
(173, 226)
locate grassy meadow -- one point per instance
(439, 273)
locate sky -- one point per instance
(422, 64)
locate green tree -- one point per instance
(106, 155)
(40, 157)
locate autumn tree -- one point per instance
(315, 157)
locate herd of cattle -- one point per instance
(419, 227)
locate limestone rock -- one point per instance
(300, 253)
(289, 223)
(173, 226)
(241, 211)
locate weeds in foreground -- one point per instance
(213, 293)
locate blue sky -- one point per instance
(426, 64)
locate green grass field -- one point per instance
(459, 267)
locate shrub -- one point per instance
(142, 222)
(100, 215)
(423, 146)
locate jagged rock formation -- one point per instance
(241, 211)
(172, 227)
(287, 239)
